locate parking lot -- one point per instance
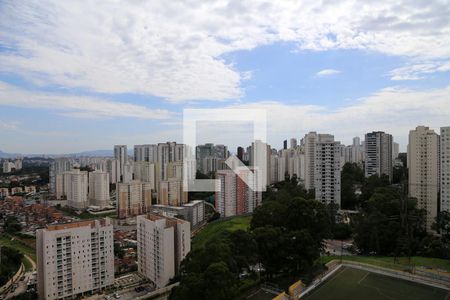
(129, 280)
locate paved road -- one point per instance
(335, 247)
(22, 284)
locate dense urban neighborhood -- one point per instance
(126, 225)
(224, 150)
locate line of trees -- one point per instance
(10, 263)
(285, 238)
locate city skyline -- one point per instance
(90, 77)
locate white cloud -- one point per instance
(9, 126)
(174, 49)
(419, 70)
(76, 106)
(327, 72)
(394, 110)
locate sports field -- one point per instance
(349, 283)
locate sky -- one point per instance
(85, 75)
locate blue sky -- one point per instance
(75, 77)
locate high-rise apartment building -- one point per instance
(145, 171)
(75, 189)
(74, 259)
(99, 188)
(133, 198)
(225, 199)
(293, 142)
(171, 192)
(259, 157)
(163, 242)
(445, 168)
(168, 152)
(378, 154)
(395, 150)
(240, 153)
(357, 151)
(423, 168)
(309, 145)
(235, 197)
(208, 155)
(113, 168)
(322, 166)
(148, 153)
(57, 167)
(327, 169)
(121, 154)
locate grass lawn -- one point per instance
(27, 264)
(216, 228)
(6, 241)
(349, 283)
(402, 262)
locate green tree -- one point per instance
(12, 225)
(244, 249)
(271, 248)
(389, 226)
(352, 176)
(220, 282)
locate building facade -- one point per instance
(327, 168)
(75, 184)
(57, 167)
(99, 188)
(237, 192)
(423, 168)
(163, 243)
(121, 155)
(445, 168)
(74, 259)
(133, 198)
(378, 154)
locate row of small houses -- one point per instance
(4, 192)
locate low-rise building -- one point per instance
(193, 212)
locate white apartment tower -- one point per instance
(378, 154)
(259, 156)
(75, 184)
(445, 168)
(74, 259)
(171, 192)
(309, 141)
(163, 243)
(225, 198)
(293, 143)
(99, 188)
(58, 167)
(133, 198)
(395, 150)
(423, 168)
(168, 152)
(121, 154)
(327, 169)
(148, 153)
(145, 171)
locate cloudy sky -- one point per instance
(79, 75)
